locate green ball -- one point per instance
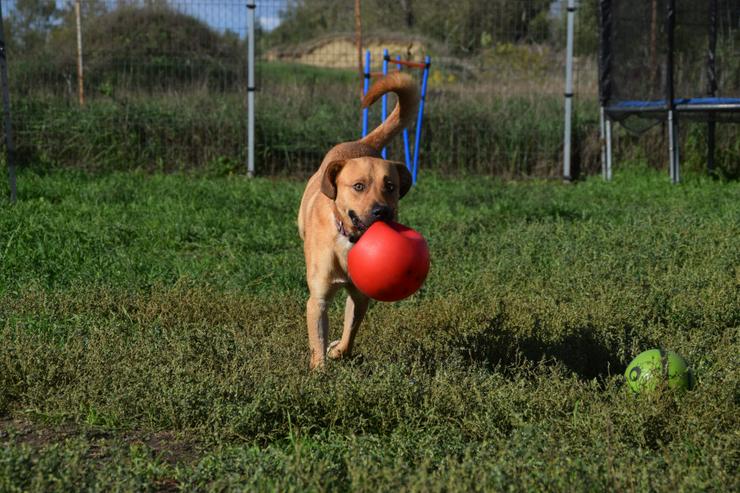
(657, 368)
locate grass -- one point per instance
(153, 339)
(510, 125)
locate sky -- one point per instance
(222, 15)
(229, 15)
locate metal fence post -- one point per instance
(568, 93)
(384, 100)
(80, 70)
(358, 44)
(673, 144)
(251, 7)
(9, 146)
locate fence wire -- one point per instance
(495, 102)
(162, 84)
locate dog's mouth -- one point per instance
(359, 227)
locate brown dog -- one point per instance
(352, 189)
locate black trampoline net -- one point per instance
(707, 63)
(639, 44)
(641, 65)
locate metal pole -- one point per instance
(250, 87)
(605, 77)
(9, 146)
(420, 117)
(672, 147)
(406, 153)
(711, 138)
(365, 87)
(672, 116)
(384, 101)
(358, 42)
(608, 150)
(602, 140)
(568, 92)
(677, 149)
(80, 71)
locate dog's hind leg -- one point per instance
(354, 313)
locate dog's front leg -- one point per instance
(317, 317)
(354, 313)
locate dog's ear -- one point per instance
(329, 180)
(404, 177)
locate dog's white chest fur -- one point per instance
(343, 244)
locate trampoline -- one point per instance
(665, 60)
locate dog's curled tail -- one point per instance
(401, 116)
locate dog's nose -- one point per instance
(382, 212)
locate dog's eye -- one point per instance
(359, 187)
(389, 187)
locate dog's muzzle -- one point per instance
(378, 213)
(356, 221)
(359, 227)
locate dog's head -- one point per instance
(365, 190)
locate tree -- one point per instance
(32, 21)
(464, 28)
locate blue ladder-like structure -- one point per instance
(412, 162)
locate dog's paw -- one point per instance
(334, 351)
(317, 364)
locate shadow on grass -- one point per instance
(581, 352)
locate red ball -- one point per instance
(389, 262)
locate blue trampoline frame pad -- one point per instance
(679, 104)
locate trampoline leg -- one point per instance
(608, 176)
(673, 158)
(710, 146)
(677, 151)
(602, 142)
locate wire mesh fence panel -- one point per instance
(121, 84)
(495, 87)
(162, 84)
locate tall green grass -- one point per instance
(302, 112)
(153, 338)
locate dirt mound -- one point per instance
(340, 51)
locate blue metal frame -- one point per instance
(365, 88)
(406, 153)
(412, 166)
(384, 105)
(420, 117)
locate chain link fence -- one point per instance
(128, 84)
(162, 84)
(495, 89)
